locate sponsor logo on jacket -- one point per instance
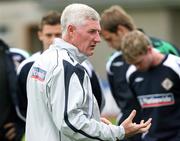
(38, 74)
(156, 100)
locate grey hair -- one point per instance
(76, 14)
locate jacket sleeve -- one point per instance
(95, 83)
(97, 90)
(73, 103)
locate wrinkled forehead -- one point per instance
(90, 24)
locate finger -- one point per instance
(143, 130)
(106, 121)
(11, 133)
(140, 129)
(147, 128)
(132, 115)
(148, 121)
(11, 136)
(143, 125)
(142, 121)
(8, 125)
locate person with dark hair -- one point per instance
(49, 28)
(12, 123)
(154, 79)
(61, 105)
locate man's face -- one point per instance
(114, 38)
(48, 33)
(86, 36)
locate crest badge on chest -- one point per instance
(167, 84)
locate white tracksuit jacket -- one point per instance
(61, 106)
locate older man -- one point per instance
(61, 105)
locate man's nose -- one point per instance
(98, 38)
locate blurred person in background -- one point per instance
(154, 79)
(61, 105)
(115, 24)
(12, 123)
(49, 28)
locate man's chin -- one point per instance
(91, 53)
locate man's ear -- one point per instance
(70, 30)
(121, 29)
(149, 48)
(39, 33)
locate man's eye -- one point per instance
(94, 31)
(91, 31)
(58, 35)
(48, 35)
(55, 35)
(108, 39)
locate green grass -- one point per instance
(112, 119)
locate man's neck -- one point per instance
(157, 58)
